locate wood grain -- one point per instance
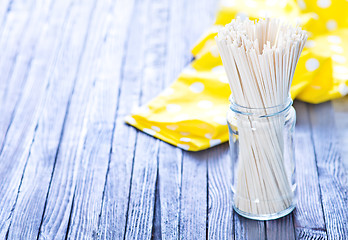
(115, 202)
(220, 211)
(143, 185)
(331, 171)
(282, 228)
(57, 212)
(23, 127)
(248, 229)
(194, 196)
(340, 107)
(308, 216)
(99, 119)
(24, 25)
(37, 176)
(170, 158)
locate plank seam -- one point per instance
(70, 215)
(20, 183)
(207, 210)
(316, 164)
(17, 101)
(156, 192)
(125, 46)
(65, 120)
(180, 195)
(130, 187)
(13, 66)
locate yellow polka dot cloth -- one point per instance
(191, 113)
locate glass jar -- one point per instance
(263, 160)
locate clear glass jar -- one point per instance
(263, 160)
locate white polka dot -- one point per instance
(185, 139)
(168, 91)
(214, 51)
(155, 128)
(205, 104)
(343, 89)
(184, 146)
(223, 79)
(185, 133)
(336, 48)
(181, 117)
(173, 108)
(130, 120)
(214, 142)
(172, 127)
(301, 4)
(242, 15)
(208, 135)
(149, 131)
(340, 69)
(218, 69)
(314, 15)
(323, 3)
(312, 64)
(220, 120)
(197, 87)
(338, 58)
(310, 44)
(331, 25)
(334, 39)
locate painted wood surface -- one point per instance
(71, 169)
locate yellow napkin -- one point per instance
(191, 112)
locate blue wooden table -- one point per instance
(70, 71)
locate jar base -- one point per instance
(263, 217)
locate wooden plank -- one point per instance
(117, 189)
(143, 185)
(17, 43)
(220, 211)
(194, 196)
(64, 204)
(282, 228)
(99, 123)
(36, 181)
(169, 178)
(20, 134)
(170, 158)
(194, 189)
(332, 174)
(341, 119)
(248, 229)
(308, 216)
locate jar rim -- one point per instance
(263, 111)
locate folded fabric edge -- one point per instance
(193, 148)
